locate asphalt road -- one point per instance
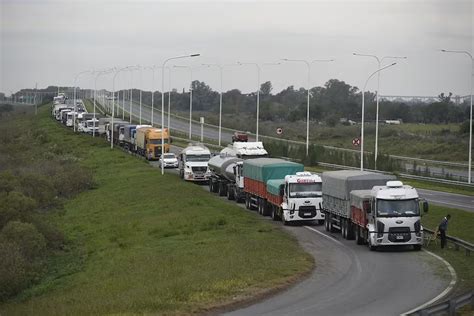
(350, 279)
(452, 200)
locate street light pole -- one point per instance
(258, 93)
(95, 92)
(190, 98)
(75, 101)
(141, 87)
(379, 61)
(113, 105)
(362, 120)
(220, 97)
(470, 115)
(163, 102)
(307, 105)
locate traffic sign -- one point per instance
(279, 131)
(356, 141)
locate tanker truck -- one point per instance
(372, 208)
(282, 189)
(222, 178)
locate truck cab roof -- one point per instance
(303, 177)
(394, 190)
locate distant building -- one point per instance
(393, 122)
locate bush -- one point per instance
(29, 240)
(14, 275)
(8, 181)
(39, 188)
(14, 206)
(73, 180)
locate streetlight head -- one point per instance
(194, 55)
(443, 50)
(393, 64)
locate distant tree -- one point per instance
(266, 89)
(445, 98)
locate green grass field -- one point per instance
(141, 242)
(460, 226)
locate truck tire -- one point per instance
(275, 216)
(358, 239)
(266, 208)
(230, 193)
(350, 230)
(326, 222)
(332, 229)
(222, 188)
(247, 201)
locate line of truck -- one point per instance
(143, 140)
(370, 208)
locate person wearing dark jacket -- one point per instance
(442, 228)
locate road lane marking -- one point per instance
(324, 235)
(442, 294)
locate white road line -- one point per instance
(442, 294)
(324, 235)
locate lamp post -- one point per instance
(362, 120)
(163, 102)
(98, 74)
(220, 97)
(190, 97)
(379, 62)
(169, 99)
(258, 93)
(113, 104)
(141, 87)
(75, 101)
(308, 65)
(470, 115)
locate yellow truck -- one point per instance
(148, 142)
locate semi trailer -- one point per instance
(372, 208)
(222, 175)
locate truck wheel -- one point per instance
(274, 213)
(230, 194)
(221, 187)
(266, 208)
(326, 222)
(358, 239)
(417, 247)
(343, 228)
(247, 202)
(350, 230)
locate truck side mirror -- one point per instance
(425, 206)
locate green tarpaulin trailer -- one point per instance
(264, 169)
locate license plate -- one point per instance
(307, 214)
(399, 237)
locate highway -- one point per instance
(452, 200)
(350, 279)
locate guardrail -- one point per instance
(448, 307)
(458, 243)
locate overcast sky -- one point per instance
(48, 42)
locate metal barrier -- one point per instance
(448, 307)
(458, 243)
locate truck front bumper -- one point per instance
(394, 240)
(301, 216)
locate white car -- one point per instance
(170, 160)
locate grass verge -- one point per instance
(146, 243)
(460, 226)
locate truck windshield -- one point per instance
(198, 157)
(305, 189)
(157, 141)
(398, 208)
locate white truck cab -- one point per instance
(193, 163)
(302, 198)
(396, 215)
(245, 150)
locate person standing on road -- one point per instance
(443, 227)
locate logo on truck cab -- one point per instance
(305, 181)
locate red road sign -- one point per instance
(356, 142)
(279, 131)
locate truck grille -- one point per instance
(199, 169)
(399, 234)
(307, 211)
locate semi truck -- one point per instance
(148, 142)
(372, 208)
(222, 175)
(193, 163)
(282, 189)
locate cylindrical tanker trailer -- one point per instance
(222, 177)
